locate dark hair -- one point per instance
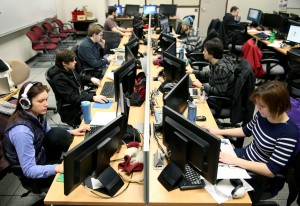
(234, 8)
(275, 95)
(94, 29)
(215, 48)
(64, 55)
(111, 9)
(35, 90)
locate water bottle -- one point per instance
(272, 37)
(192, 111)
(86, 110)
(181, 53)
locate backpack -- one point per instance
(294, 115)
(138, 96)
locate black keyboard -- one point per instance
(262, 35)
(108, 89)
(191, 179)
(92, 131)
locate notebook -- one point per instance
(103, 118)
(4, 86)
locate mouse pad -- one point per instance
(103, 106)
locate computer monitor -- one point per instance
(172, 49)
(123, 106)
(128, 54)
(125, 75)
(165, 41)
(294, 16)
(294, 34)
(138, 29)
(284, 14)
(177, 98)
(254, 15)
(133, 45)
(119, 9)
(190, 144)
(150, 9)
(164, 25)
(82, 162)
(290, 23)
(274, 21)
(168, 9)
(131, 10)
(174, 68)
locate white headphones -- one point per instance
(24, 101)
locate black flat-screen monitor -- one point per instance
(150, 9)
(164, 25)
(128, 54)
(177, 98)
(125, 75)
(190, 144)
(294, 16)
(133, 45)
(119, 9)
(274, 21)
(81, 161)
(254, 15)
(165, 41)
(138, 29)
(168, 9)
(172, 49)
(174, 68)
(284, 14)
(131, 10)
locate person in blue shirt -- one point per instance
(30, 142)
(274, 134)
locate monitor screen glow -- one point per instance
(119, 10)
(150, 9)
(294, 34)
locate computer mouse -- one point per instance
(113, 70)
(200, 118)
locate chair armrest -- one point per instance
(220, 98)
(198, 65)
(269, 61)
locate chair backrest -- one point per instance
(78, 67)
(48, 26)
(112, 40)
(293, 75)
(20, 71)
(59, 23)
(242, 108)
(38, 30)
(32, 36)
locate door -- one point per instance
(210, 9)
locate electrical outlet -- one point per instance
(196, 10)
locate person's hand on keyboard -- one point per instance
(96, 81)
(197, 83)
(111, 58)
(100, 98)
(80, 131)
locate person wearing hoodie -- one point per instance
(220, 77)
(70, 84)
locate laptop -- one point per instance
(4, 86)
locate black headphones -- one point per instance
(24, 101)
(238, 190)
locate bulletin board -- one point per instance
(293, 4)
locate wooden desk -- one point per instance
(7, 97)
(282, 50)
(82, 26)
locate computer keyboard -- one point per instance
(108, 89)
(262, 35)
(92, 131)
(191, 179)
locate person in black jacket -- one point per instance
(69, 84)
(232, 17)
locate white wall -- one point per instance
(17, 45)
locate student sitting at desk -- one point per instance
(220, 77)
(274, 134)
(111, 25)
(69, 84)
(91, 51)
(30, 142)
(191, 41)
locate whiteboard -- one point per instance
(19, 14)
(293, 4)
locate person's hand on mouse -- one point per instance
(96, 81)
(100, 98)
(215, 131)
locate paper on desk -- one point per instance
(110, 75)
(103, 118)
(253, 30)
(224, 187)
(226, 171)
(276, 44)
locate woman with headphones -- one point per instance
(191, 40)
(30, 142)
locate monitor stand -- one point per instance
(109, 182)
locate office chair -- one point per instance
(53, 32)
(293, 74)
(43, 37)
(112, 41)
(264, 63)
(240, 109)
(66, 28)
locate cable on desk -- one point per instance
(160, 147)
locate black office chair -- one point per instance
(293, 74)
(112, 41)
(240, 110)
